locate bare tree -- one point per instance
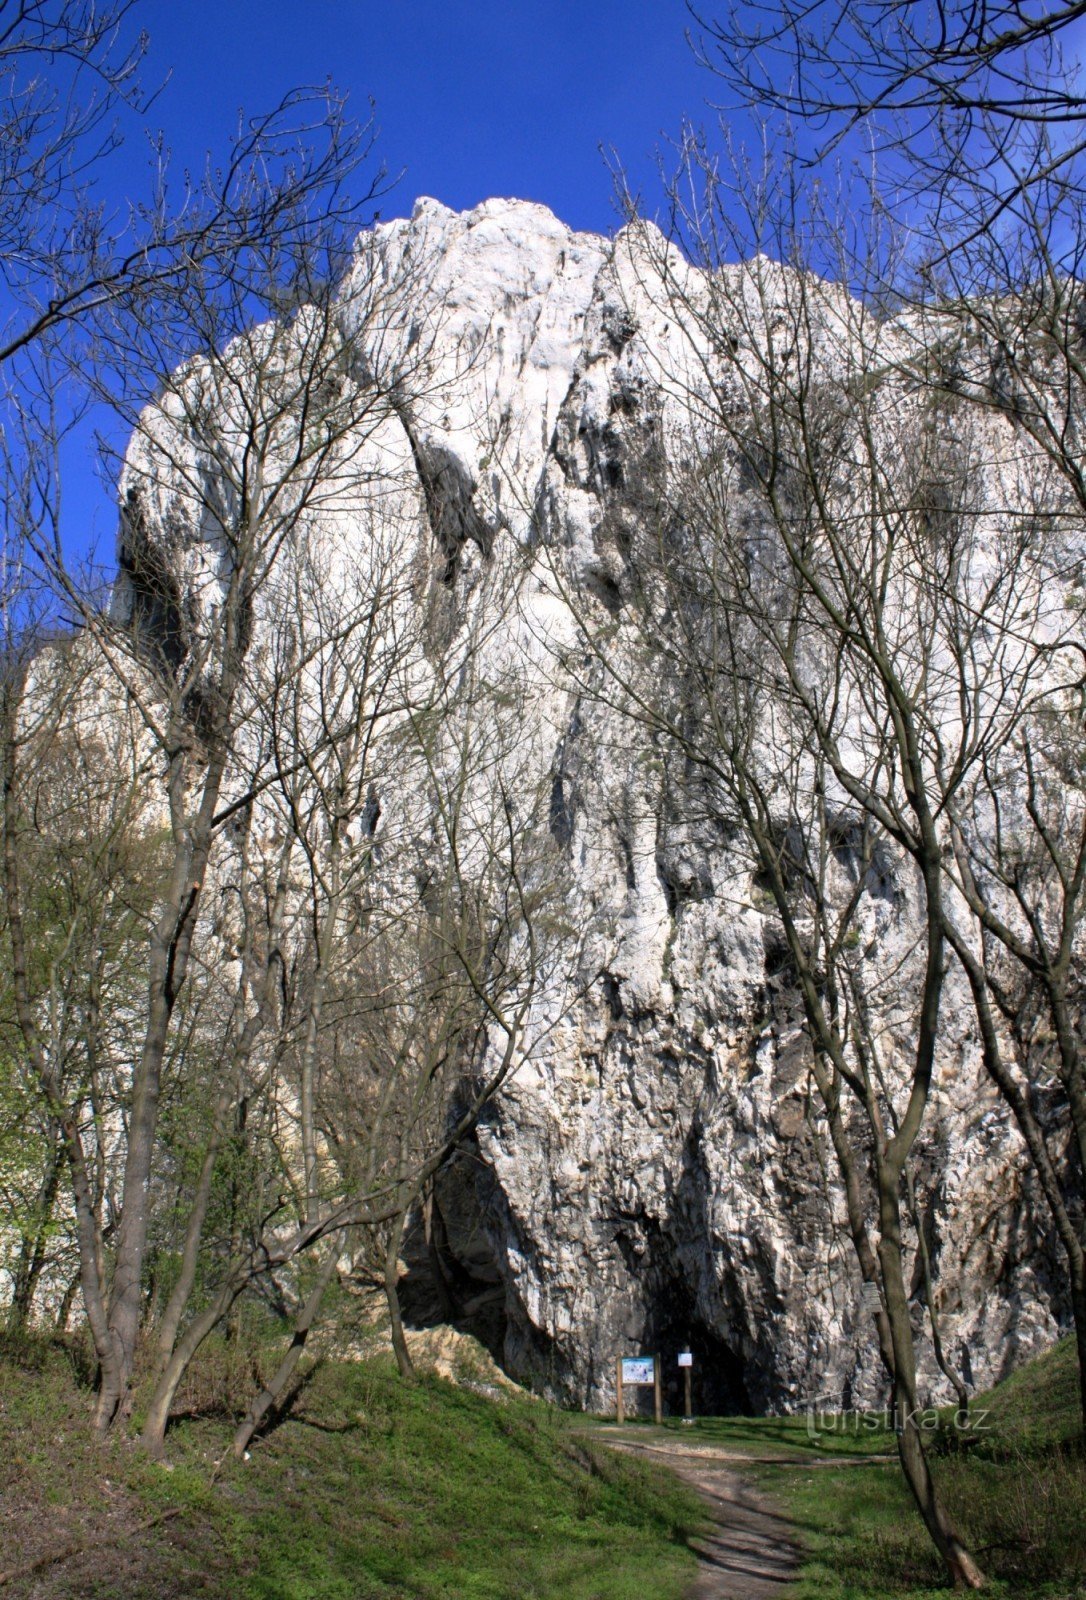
(240, 448)
(101, 309)
(810, 532)
(70, 93)
(981, 113)
(82, 868)
(973, 111)
(443, 957)
(1019, 852)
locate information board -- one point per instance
(638, 1369)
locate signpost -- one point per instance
(686, 1362)
(638, 1372)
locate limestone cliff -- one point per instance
(654, 1177)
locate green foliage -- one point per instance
(24, 1148)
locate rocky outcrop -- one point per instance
(654, 1176)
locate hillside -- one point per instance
(369, 1489)
(1018, 1493)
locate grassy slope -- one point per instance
(372, 1490)
(1019, 1494)
(369, 1489)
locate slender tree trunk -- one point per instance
(88, 1232)
(171, 945)
(64, 1310)
(1018, 1101)
(952, 1376)
(959, 1562)
(243, 1048)
(158, 1414)
(264, 1256)
(1071, 1071)
(1078, 1307)
(33, 1246)
(170, 1322)
(392, 1295)
(273, 1391)
(194, 1230)
(315, 1011)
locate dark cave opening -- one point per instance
(453, 1274)
(718, 1384)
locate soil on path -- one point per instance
(747, 1553)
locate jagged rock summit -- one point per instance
(653, 1177)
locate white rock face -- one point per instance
(653, 1178)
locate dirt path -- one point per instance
(747, 1552)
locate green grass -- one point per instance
(790, 1438)
(375, 1490)
(1023, 1519)
(1017, 1490)
(370, 1489)
(1038, 1406)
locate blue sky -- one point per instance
(474, 97)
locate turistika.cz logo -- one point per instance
(824, 1418)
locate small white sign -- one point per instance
(685, 1359)
(638, 1370)
(869, 1298)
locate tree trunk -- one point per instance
(952, 1376)
(170, 950)
(158, 1415)
(124, 1304)
(392, 1295)
(961, 1567)
(166, 1336)
(273, 1391)
(1018, 1100)
(88, 1232)
(1078, 1306)
(64, 1310)
(32, 1249)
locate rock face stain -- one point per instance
(654, 1178)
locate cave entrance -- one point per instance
(453, 1273)
(718, 1377)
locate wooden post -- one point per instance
(656, 1394)
(620, 1411)
(686, 1394)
